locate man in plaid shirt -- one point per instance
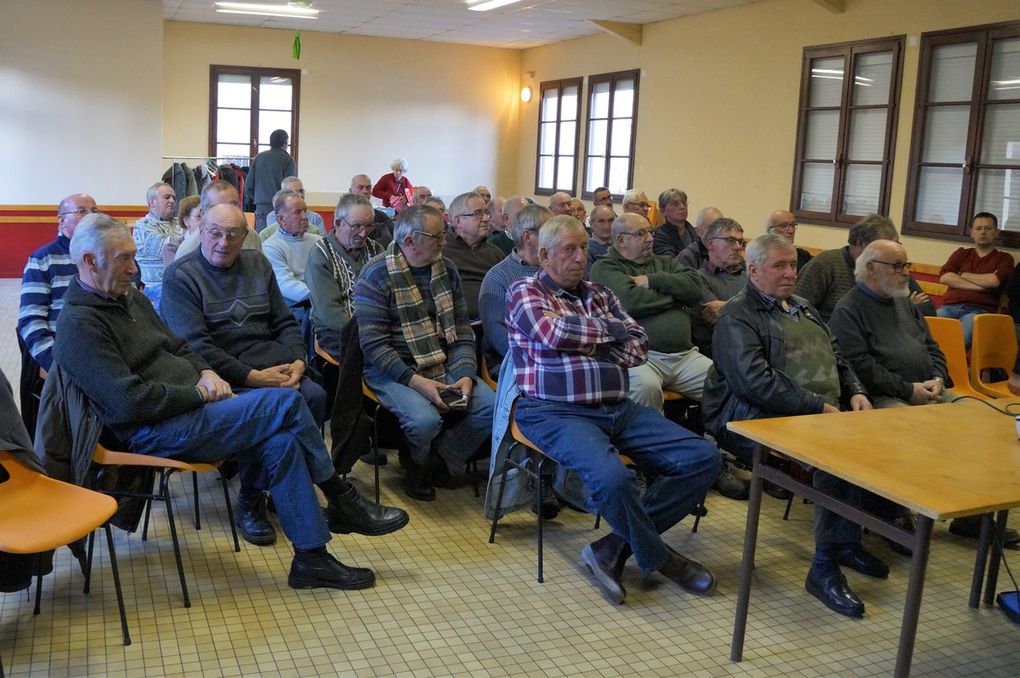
(571, 344)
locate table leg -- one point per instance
(747, 564)
(993, 562)
(980, 560)
(912, 607)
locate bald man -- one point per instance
(382, 225)
(696, 254)
(782, 222)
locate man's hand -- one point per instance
(270, 377)
(918, 297)
(212, 387)
(430, 389)
(640, 280)
(924, 392)
(859, 403)
(465, 386)
(297, 370)
(711, 310)
(829, 409)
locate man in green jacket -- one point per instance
(656, 290)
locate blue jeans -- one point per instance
(589, 441)
(266, 430)
(965, 314)
(457, 436)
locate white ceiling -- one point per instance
(524, 24)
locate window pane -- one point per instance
(599, 107)
(952, 72)
(598, 132)
(1001, 142)
(623, 99)
(821, 135)
(276, 93)
(547, 134)
(998, 192)
(233, 91)
(860, 192)
(550, 99)
(565, 174)
(237, 150)
(233, 126)
(816, 187)
(872, 75)
(567, 132)
(273, 120)
(618, 170)
(596, 174)
(621, 137)
(946, 134)
(826, 88)
(1005, 78)
(545, 172)
(867, 134)
(938, 196)
(568, 109)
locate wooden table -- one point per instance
(939, 461)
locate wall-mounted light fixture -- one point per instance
(526, 94)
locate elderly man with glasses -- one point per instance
(469, 248)
(722, 274)
(782, 222)
(419, 348)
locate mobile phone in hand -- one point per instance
(453, 398)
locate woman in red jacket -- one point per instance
(394, 189)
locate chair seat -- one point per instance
(112, 458)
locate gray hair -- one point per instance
(722, 225)
(413, 219)
(632, 194)
(671, 195)
(865, 258)
(217, 186)
(287, 181)
(91, 237)
(758, 249)
(399, 164)
(620, 223)
(346, 202)
(281, 198)
(459, 204)
(153, 191)
(436, 200)
(552, 231)
(529, 218)
(871, 228)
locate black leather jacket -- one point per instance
(748, 380)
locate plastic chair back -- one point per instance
(948, 334)
(993, 345)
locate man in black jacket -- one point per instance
(773, 358)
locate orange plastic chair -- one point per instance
(38, 514)
(326, 357)
(993, 345)
(483, 372)
(166, 468)
(948, 334)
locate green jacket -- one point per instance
(660, 307)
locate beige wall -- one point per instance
(80, 101)
(719, 95)
(450, 110)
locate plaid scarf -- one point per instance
(420, 335)
(343, 272)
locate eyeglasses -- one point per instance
(434, 236)
(358, 228)
(731, 241)
(231, 236)
(787, 226)
(477, 214)
(80, 211)
(640, 233)
(898, 266)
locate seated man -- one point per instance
(723, 275)
(782, 222)
(382, 231)
(774, 358)
(695, 254)
(217, 192)
(334, 265)
(420, 349)
(676, 233)
(522, 262)
(225, 303)
(315, 222)
(161, 399)
(499, 224)
(469, 249)
(601, 239)
(572, 344)
(976, 276)
(157, 236)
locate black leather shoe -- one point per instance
(904, 522)
(350, 512)
(835, 593)
(970, 527)
(319, 569)
(374, 458)
(730, 486)
(252, 521)
(605, 558)
(417, 486)
(856, 558)
(691, 575)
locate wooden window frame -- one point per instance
(850, 51)
(984, 36)
(612, 79)
(544, 87)
(216, 70)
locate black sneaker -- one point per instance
(251, 519)
(730, 486)
(320, 570)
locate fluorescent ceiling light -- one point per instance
(287, 11)
(491, 4)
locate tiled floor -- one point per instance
(449, 603)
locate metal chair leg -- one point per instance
(598, 519)
(148, 509)
(194, 486)
(789, 504)
(116, 584)
(38, 582)
(88, 562)
(541, 520)
(499, 500)
(230, 513)
(164, 490)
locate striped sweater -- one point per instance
(47, 274)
